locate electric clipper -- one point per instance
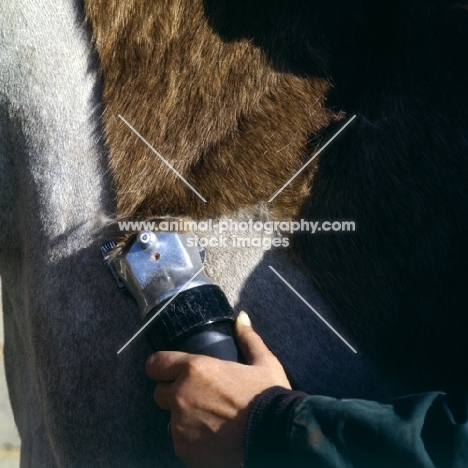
(182, 308)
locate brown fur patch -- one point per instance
(232, 126)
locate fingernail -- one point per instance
(244, 319)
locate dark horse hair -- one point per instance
(400, 282)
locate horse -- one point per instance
(236, 98)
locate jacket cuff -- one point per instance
(267, 435)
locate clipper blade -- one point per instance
(106, 249)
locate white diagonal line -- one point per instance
(160, 310)
(313, 310)
(160, 157)
(311, 159)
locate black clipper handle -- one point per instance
(199, 321)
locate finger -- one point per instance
(164, 395)
(166, 366)
(252, 346)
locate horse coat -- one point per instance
(76, 402)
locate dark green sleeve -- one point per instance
(290, 429)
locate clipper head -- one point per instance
(182, 308)
(154, 267)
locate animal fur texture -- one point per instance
(233, 93)
(399, 283)
(231, 124)
(77, 404)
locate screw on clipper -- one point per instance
(146, 239)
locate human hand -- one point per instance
(209, 399)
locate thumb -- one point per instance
(252, 346)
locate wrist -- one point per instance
(268, 429)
